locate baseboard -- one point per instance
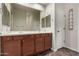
(65, 47)
(54, 49)
(71, 48)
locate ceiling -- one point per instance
(44, 4)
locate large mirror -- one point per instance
(21, 18)
(5, 18)
(46, 22)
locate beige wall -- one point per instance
(6, 16)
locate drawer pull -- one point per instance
(32, 36)
(8, 39)
(23, 40)
(18, 38)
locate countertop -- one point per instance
(13, 33)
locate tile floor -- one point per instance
(60, 52)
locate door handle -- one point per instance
(58, 31)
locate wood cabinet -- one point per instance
(28, 45)
(39, 43)
(48, 41)
(0, 45)
(11, 47)
(25, 44)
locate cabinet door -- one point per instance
(0, 45)
(39, 43)
(10, 47)
(28, 45)
(48, 41)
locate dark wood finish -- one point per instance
(28, 45)
(19, 37)
(6, 38)
(48, 41)
(10, 47)
(0, 45)
(39, 43)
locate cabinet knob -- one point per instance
(32, 36)
(23, 40)
(5, 53)
(8, 39)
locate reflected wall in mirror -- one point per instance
(5, 16)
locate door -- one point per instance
(60, 25)
(71, 35)
(78, 30)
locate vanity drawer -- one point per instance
(28, 36)
(37, 35)
(17, 37)
(5, 38)
(50, 34)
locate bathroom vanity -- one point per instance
(22, 32)
(29, 44)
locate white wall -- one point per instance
(53, 26)
(59, 25)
